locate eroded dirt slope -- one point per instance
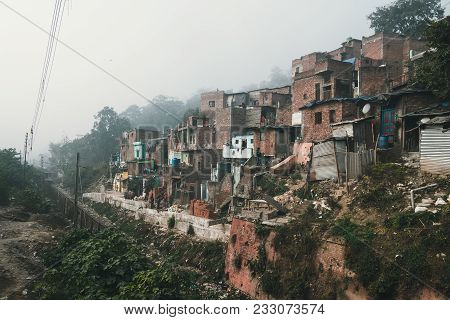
(22, 237)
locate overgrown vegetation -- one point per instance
(433, 71)
(96, 267)
(162, 283)
(33, 200)
(272, 186)
(171, 222)
(377, 189)
(109, 265)
(207, 256)
(10, 174)
(95, 149)
(190, 230)
(391, 270)
(292, 274)
(28, 193)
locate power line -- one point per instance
(45, 59)
(48, 65)
(91, 62)
(51, 69)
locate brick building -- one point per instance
(133, 149)
(373, 65)
(319, 116)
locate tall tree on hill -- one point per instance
(433, 70)
(95, 148)
(108, 127)
(407, 17)
(165, 112)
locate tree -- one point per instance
(10, 173)
(407, 17)
(165, 112)
(95, 148)
(108, 127)
(433, 70)
(277, 78)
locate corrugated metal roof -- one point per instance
(351, 121)
(436, 109)
(383, 97)
(438, 121)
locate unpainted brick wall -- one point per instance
(244, 245)
(266, 142)
(345, 110)
(303, 91)
(284, 115)
(306, 62)
(201, 209)
(219, 99)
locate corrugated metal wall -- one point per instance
(358, 162)
(328, 159)
(323, 165)
(435, 150)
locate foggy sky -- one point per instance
(159, 47)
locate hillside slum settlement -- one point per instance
(345, 110)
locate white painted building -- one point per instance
(242, 147)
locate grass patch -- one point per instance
(411, 219)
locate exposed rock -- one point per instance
(427, 200)
(426, 205)
(439, 202)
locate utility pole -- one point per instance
(76, 189)
(110, 168)
(25, 158)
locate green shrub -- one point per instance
(359, 256)
(387, 173)
(92, 268)
(106, 210)
(296, 176)
(5, 190)
(65, 245)
(261, 230)
(271, 283)
(303, 193)
(382, 276)
(272, 186)
(411, 219)
(171, 222)
(33, 201)
(237, 261)
(190, 230)
(258, 266)
(386, 284)
(378, 197)
(166, 282)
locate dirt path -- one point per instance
(22, 237)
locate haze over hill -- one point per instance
(158, 48)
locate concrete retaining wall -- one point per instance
(203, 228)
